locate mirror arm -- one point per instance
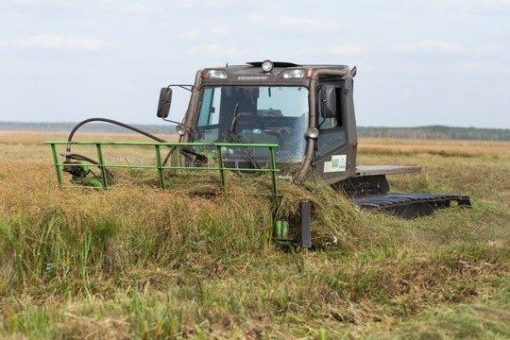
(171, 121)
(186, 87)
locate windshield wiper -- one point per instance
(233, 123)
(234, 137)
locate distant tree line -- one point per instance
(423, 132)
(92, 127)
(436, 132)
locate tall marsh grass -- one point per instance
(143, 262)
(66, 236)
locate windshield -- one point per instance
(256, 114)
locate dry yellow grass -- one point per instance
(147, 263)
(437, 147)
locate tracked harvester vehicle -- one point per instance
(291, 121)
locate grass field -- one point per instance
(143, 263)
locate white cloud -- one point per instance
(451, 48)
(295, 23)
(178, 4)
(430, 46)
(493, 7)
(190, 35)
(219, 30)
(218, 3)
(137, 8)
(54, 41)
(213, 50)
(36, 2)
(471, 7)
(491, 50)
(347, 50)
(208, 3)
(196, 34)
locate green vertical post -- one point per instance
(175, 160)
(221, 166)
(101, 165)
(273, 171)
(56, 164)
(159, 164)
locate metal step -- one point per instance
(410, 205)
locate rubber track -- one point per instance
(410, 204)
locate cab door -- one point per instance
(335, 157)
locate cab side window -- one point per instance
(330, 120)
(208, 118)
(331, 115)
(210, 109)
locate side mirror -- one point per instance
(165, 100)
(328, 101)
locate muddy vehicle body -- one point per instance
(308, 110)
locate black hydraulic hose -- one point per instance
(200, 157)
(78, 157)
(111, 121)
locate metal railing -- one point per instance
(159, 164)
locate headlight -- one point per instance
(267, 66)
(293, 74)
(216, 74)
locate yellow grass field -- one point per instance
(135, 262)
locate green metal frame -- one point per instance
(272, 169)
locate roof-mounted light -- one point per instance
(293, 74)
(267, 66)
(216, 74)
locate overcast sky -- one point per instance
(419, 62)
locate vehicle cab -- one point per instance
(306, 109)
